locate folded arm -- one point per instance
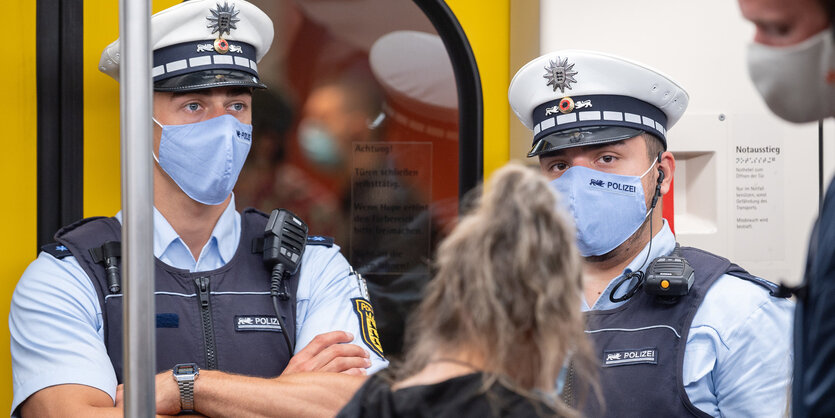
(315, 394)
(69, 401)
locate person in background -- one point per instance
(792, 63)
(500, 319)
(334, 118)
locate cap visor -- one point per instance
(207, 79)
(580, 137)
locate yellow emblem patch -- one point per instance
(368, 326)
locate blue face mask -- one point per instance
(607, 208)
(318, 145)
(205, 158)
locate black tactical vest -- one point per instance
(221, 319)
(640, 345)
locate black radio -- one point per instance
(669, 277)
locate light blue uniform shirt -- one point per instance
(55, 318)
(738, 357)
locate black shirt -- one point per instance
(458, 397)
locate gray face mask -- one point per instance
(798, 81)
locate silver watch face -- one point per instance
(186, 372)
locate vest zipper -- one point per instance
(206, 315)
(568, 388)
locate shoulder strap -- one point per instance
(714, 265)
(320, 240)
(57, 250)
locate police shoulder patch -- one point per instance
(56, 250)
(368, 326)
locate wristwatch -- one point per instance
(185, 374)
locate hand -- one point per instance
(168, 394)
(329, 352)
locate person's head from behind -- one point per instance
(791, 59)
(507, 290)
(602, 138)
(204, 70)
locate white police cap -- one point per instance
(201, 44)
(573, 98)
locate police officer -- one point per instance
(716, 345)
(791, 62)
(214, 310)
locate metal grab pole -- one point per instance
(139, 348)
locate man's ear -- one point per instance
(667, 166)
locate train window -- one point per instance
(358, 134)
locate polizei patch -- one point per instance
(368, 326)
(627, 357)
(257, 323)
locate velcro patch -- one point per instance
(630, 356)
(368, 326)
(257, 323)
(168, 320)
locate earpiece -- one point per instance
(657, 189)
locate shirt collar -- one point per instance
(663, 243)
(225, 236)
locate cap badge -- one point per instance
(221, 46)
(222, 20)
(559, 74)
(566, 105)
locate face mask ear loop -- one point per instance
(152, 145)
(651, 165)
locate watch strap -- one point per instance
(186, 394)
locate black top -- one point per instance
(454, 398)
(814, 328)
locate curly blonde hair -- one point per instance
(508, 287)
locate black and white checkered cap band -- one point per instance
(598, 110)
(189, 57)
